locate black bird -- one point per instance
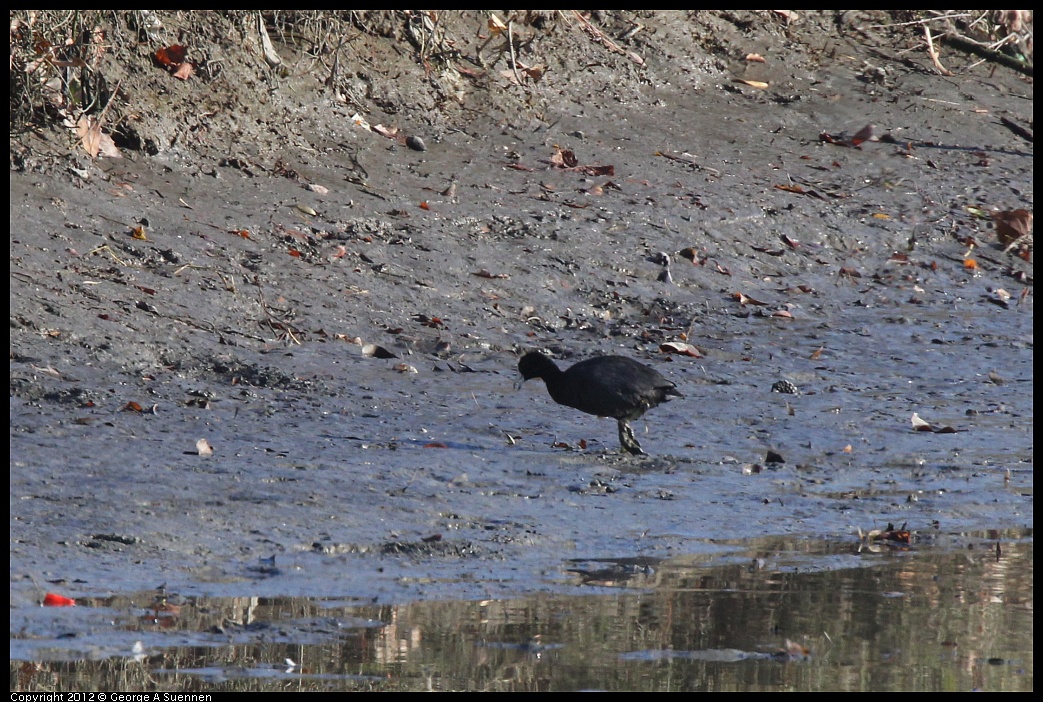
(608, 386)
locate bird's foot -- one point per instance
(628, 441)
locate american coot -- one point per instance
(608, 386)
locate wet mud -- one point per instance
(350, 355)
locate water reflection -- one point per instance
(775, 620)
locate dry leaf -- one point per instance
(95, 142)
(747, 300)
(680, 348)
(862, 135)
(1011, 225)
(203, 448)
(184, 71)
(564, 158)
(171, 57)
(496, 25)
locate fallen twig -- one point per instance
(973, 47)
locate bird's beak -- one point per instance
(519, 381)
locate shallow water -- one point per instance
(786, 614)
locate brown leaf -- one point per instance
(691, 253)
(1012, 225)
(861, 136)
(564, 158)
(94, 141)
(486, 274)
(171, 57)
(389, 132)
(680, 348)
(184, 71)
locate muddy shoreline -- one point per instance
(209, 291)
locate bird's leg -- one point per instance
(627, 439)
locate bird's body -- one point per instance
(606, 386)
